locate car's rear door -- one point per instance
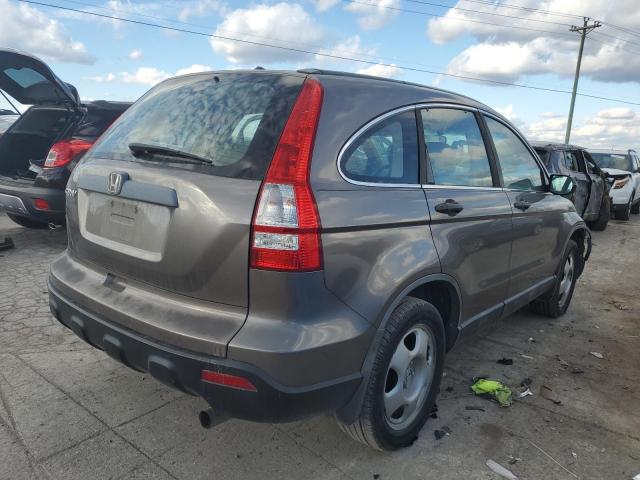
(470, 213)
(538, 239)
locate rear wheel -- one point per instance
(404, 380)
(556, 301)
(601, 222)
(26, 222)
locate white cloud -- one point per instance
(375, 16)
(286, 22)
(608, 128)
(147, 75)
(507, 54)
(322, 5)
(510, 115)
(26, 28)
(200, 8)
(135, 54)
(195, 68)
(350, 48)
(379, 70)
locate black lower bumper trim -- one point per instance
(181, 369)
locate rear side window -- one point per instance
(571, 161)
(520, 171)
(96, 122)
(232, 119)
(386, 153)
(457, 155)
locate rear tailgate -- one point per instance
(181, 227)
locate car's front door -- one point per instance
(592, 210)
(538, 240)
(470, 214)
(574, 163)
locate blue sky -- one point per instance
(96, 54)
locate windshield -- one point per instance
(232, 119)
(612, 160)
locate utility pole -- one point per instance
(584, 30)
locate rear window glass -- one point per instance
(612, 160)
(232, 119)
(25, 77)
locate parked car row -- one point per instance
(284, 243)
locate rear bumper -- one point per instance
(181, 369)
(19, 200)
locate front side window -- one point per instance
(520, 171)
(386, 153)
(456, 152)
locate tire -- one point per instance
(604, 215)
(411, 324)
(556, 301)
(635, 209)
(623, 213)
(26, 222)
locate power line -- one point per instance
(422, 2)
(406, 10)
(527, 9)
(322, 48)
(500, 25)
(309, 52)
(622, 29)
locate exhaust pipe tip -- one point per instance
(205, 418)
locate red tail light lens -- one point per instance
(286, 225)
(65, 151)
(41, 204)
(227, 380)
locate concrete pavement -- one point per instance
(67, 411)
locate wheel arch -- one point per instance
(439, 289)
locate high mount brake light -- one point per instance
(286, 225)
(63, 152)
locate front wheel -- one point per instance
(404, 380)
(556, 301)
(622, 212)
(635, 209)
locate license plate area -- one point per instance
(129, 227)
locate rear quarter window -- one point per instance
(233, 119)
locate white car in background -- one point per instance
(623, 170)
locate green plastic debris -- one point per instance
(495, 389)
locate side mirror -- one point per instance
(562, 185)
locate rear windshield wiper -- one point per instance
(138, 149)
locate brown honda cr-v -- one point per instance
(286, 243)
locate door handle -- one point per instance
(522, 205)
(449, 207)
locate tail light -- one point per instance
(62, 153)
(286, 226)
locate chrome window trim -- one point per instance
(429, 186)
(379, 119)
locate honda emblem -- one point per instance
(114, 186)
